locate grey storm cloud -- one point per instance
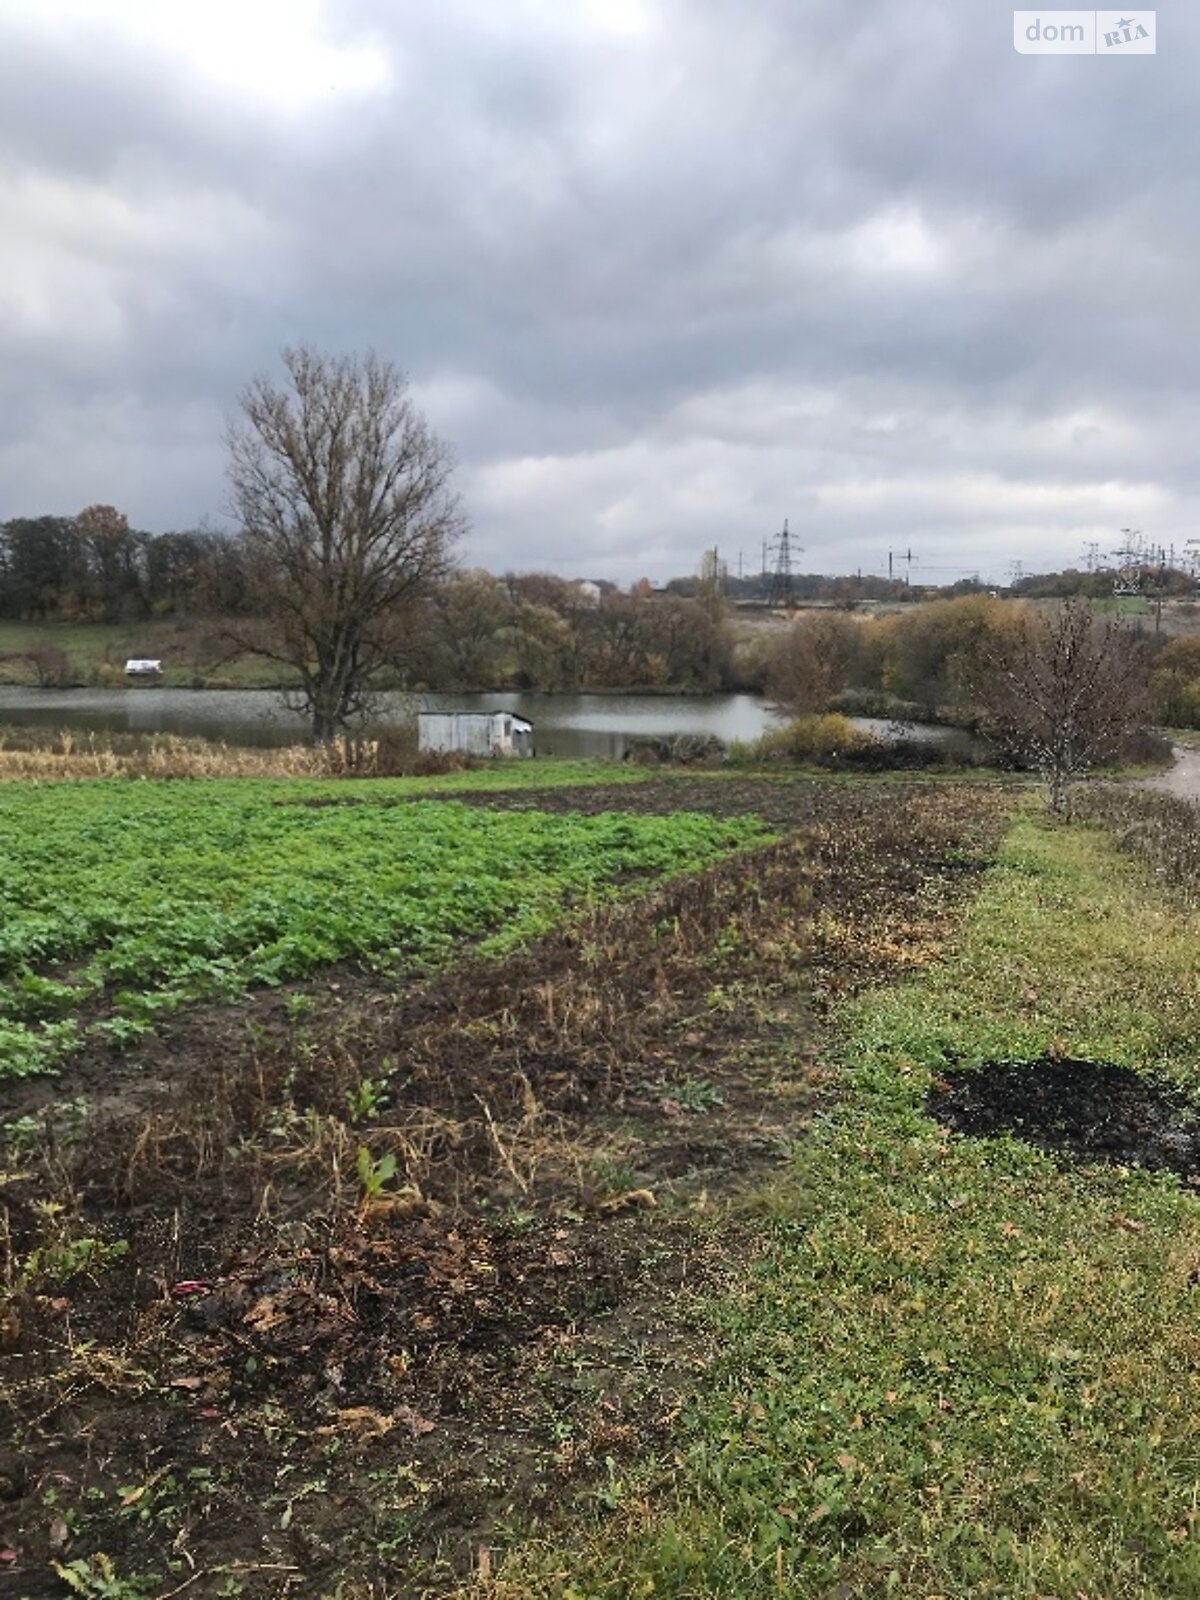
(663, 271)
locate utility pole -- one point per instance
(907, 557)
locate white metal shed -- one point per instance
(476, 733)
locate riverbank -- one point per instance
(93, 655)
(194, 655)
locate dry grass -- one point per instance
(69, 756)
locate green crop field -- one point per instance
(122, 902)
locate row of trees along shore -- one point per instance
(343, 574)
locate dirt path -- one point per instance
(1182, 780)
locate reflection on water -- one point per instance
(601, 725)
(958, 739)
(564, 725)
(598, 725)
(248, 717)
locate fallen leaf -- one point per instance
(187, 1287)
(632, 1199)
(132, 1496)
(361, 1421)
(59, 1534)
(417, 1425)
(265, 1314)
(186, 1383)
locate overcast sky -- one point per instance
(662, 271)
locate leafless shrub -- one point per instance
(1063, 690)
(51, 666)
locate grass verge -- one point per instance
(955, 1367)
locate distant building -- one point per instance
(143, 667)
(589, 592)
(475, 733)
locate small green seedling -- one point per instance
(374, 1176)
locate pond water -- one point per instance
(564, 724)
(958, 739)
(597, 725)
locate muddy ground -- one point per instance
(319, 1294)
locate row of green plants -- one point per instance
(122, 902)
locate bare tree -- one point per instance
(1063, 690)
(344, 494)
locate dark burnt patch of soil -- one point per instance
(1088, 1111)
